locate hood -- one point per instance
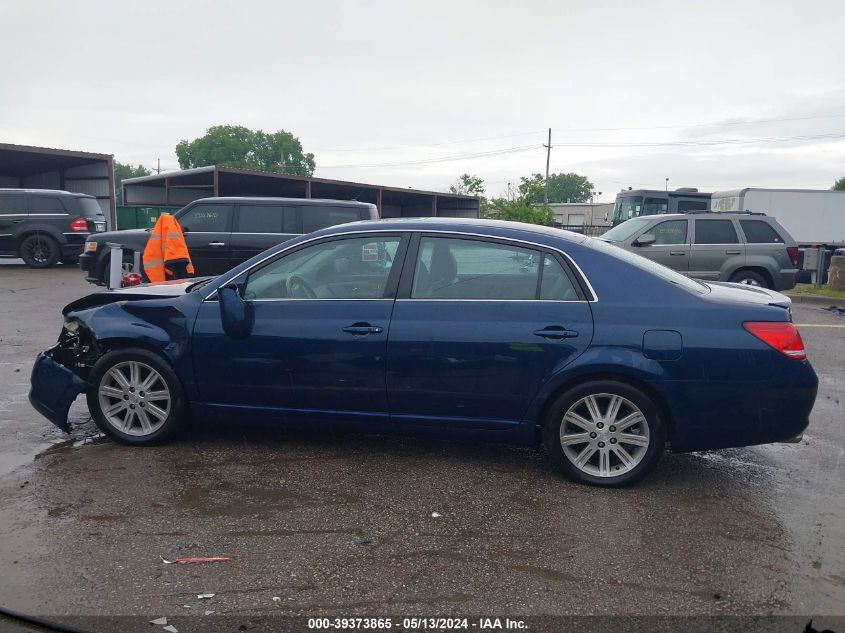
(161, 290)
(741, 293)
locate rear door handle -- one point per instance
(217, 244)
(555, 332)
(733, 252)
(677, 252)
(362, 329)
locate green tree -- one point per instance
(122, 171)
(563, 188)
(521, 208)
(839, 185)
(237, 146)
(470, 185)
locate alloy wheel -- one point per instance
(750, 282)
(604, 435)
(134, 398)
(38, 251)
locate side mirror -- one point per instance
(645, 240)
(236, 314)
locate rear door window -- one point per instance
(715, 232)
(759, 232)
(316, 217)
(12, 205)
(46, 205)
(452, 268)
(262, 218)
(206, 218)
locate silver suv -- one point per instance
(747, 248)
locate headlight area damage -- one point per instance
(60, 373)
(93, 326)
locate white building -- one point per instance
(582, 213)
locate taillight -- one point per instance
(781, 335)
(80, 225)
(792, 251)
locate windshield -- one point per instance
(627, 208)
(651, 267)
(623, 231)
(90, 208)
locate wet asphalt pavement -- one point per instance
(320, 523)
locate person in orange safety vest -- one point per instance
(166, 254)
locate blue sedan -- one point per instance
(481, 329)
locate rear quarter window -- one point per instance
(46, 204)
(315, 217)
(759, 232)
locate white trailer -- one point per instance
(812, 217)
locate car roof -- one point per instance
(474, 226)
(57, 192)
(706, 214)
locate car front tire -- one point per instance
(136, 398)
(604, 433)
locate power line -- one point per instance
(724, 141)
(465, 141)
(587, 129)
(512, 150)
(441, 159)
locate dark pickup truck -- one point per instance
(223, 232)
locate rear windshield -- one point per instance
(653, 268)
(89, 207)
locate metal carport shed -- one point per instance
(27, 167)
(178, 188)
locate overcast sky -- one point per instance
(709, 94)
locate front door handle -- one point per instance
(555, 332)
(362, 329)
(217, 244)
(677, 252)
(733, 252)
(18, 221)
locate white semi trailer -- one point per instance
(812, 217)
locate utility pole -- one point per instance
(548, 157)
(158, 167)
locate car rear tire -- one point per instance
(749, 278)
(39, 251)
(136, 398)
(604, 433)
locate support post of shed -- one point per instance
(112, 223)
(378, 201)
(307, 188)
(433, 206)
(216, 182)
(167, 191)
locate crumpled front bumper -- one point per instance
(53, 389)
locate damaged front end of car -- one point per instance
(60, 373)
(147, 316)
